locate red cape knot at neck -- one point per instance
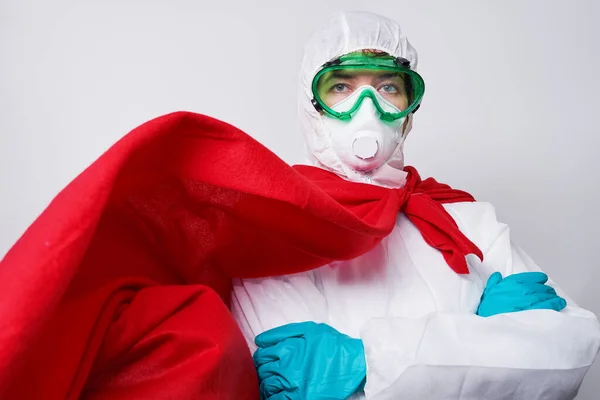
(424, 208)
(421, 201)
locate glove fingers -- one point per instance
(272, 385)
(263, 356)
(283, 396)
(493, 280)
(520, 303)
(540, 288)
(286, 355)
(269, 369)
(506, 289)
(276, 335)
(279, 353)
(514, 303)
(527, 277)
(556, 304)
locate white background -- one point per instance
(510, 112)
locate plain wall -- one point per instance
(510, 111)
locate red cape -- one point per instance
(119, 289)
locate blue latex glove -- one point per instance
(309, 361)
(518, 292)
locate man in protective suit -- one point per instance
(408, 319)
(121, 288)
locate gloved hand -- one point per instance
(518, 292)
(309, 361)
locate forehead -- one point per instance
(360, 73)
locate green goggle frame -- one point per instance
(368, 62)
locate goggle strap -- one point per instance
(316, 105)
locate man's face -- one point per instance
(337, 85)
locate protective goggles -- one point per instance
(390, 77)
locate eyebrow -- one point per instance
(390, 75)
(337, 75)
(343, 75)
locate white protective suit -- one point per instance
(415, 315)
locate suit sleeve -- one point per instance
(527, 355)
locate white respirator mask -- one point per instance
(365, 143)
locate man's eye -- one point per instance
(340, 88)
(389, 89)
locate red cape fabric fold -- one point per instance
(119, 289)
